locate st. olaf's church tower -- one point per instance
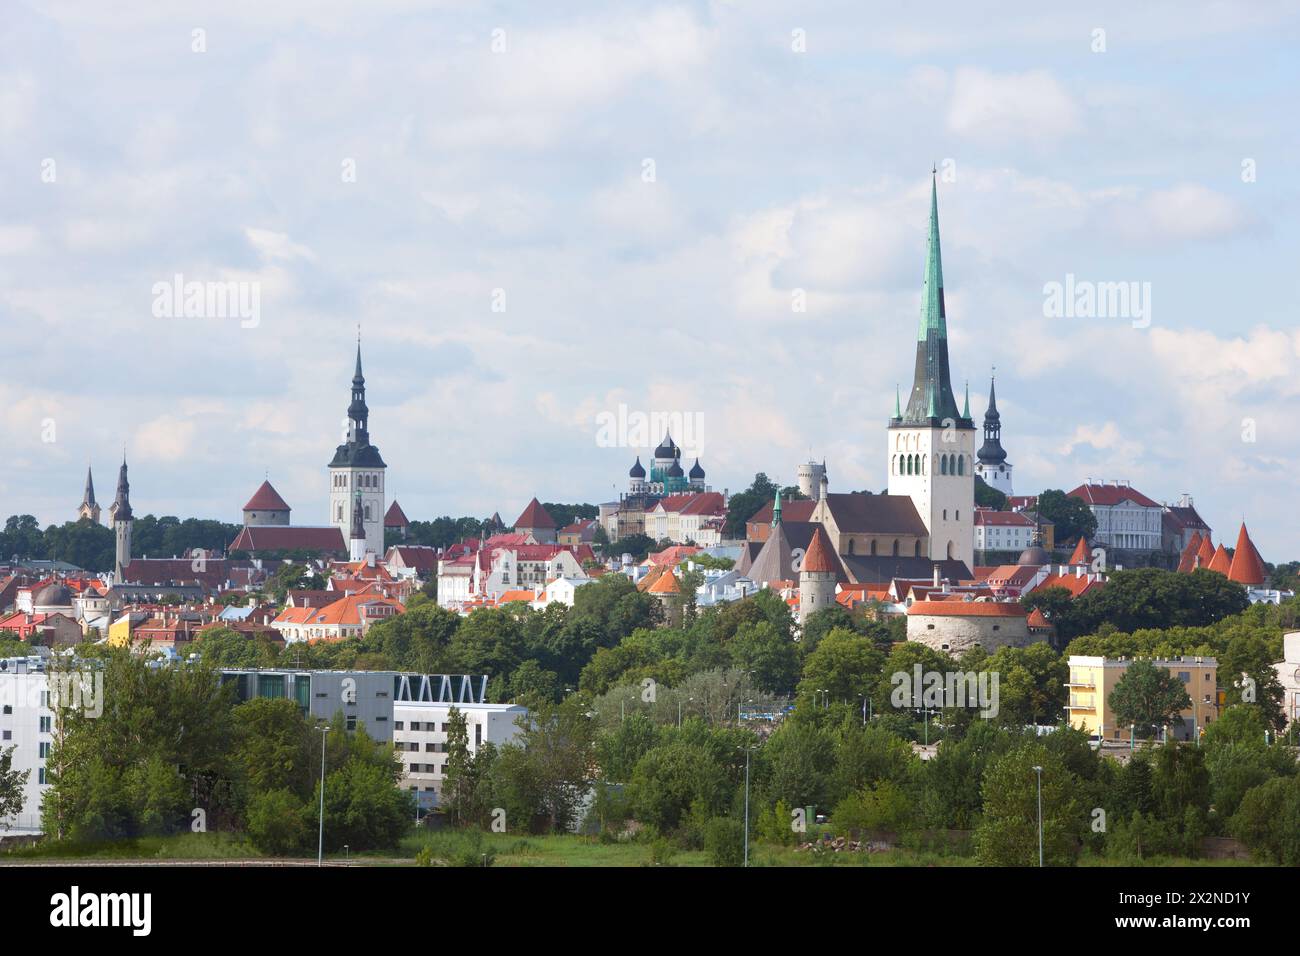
(357, 474)
(931, 442)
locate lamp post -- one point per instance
(1039, 771)
(320, 835)
(747, 749)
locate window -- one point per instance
(44, 749)
(397, 725)
(8, 709)
(45, 725)
(8, 735)
(41, 776)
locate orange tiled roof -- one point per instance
(1247, 567)
(1221, 562)
(968, 609)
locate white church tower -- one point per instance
(357, 472)
(992, 464)
(931, 442)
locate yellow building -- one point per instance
(119, 632)
(1093, 678)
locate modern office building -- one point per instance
(420, 734)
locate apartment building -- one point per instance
(420, 735)
(1093, 678)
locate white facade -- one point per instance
(997, 476)
(420, 735)
(27, 723)
(1288, 675)
(1002, 531)
(345, 483)
(939, 477)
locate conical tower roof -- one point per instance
(1247, 567)
(1082, 555)
(1221, 562)
(818, 557)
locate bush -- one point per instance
(462, 848)
(275, 823)
(724, 841)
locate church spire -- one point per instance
(776, 509)
(932, 400)
(992, 452)
(88, 499)
(122, 503)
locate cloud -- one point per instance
(1030, 106)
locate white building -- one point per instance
(1288, 675)
(420, 735)
(26, 723)
(1126, 518)
(1002, 530)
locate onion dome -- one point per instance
(667, 448)
(637, 470)
(675, 469)
(697, 473)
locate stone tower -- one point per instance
(358, 470)
(122, 521)
(931, 442)
(817, 576)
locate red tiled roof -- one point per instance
(1075, 584)
(1081, 553)
(1221, 562)
(666, 584)
(1036, 619)
(395, 517)
(818, 556)
(987, 516)
(288, 538)
(1206, 551)
(1111, 495)
(968, 609)
(535, 516)
(1247, 567)
(266, 498)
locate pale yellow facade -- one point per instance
(1093, 678)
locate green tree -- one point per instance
(1071, 516)
(1148, 698)
(276, 823)
(12, 783)
(1008, 831)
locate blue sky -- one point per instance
(522, 170)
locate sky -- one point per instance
(538, 214)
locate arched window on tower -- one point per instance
(943, 465)
(961, 464)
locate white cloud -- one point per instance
(1029, 106)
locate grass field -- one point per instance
(458, 848)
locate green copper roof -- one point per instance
(776, 508)
(932, 310)
(898, 408)
(965, 411)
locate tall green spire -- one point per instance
(932, 400)
(933, 318)
(965, 411)
(776, 509)
(898, 408)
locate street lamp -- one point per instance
(747, 750)
(1039, 771)
(320, 835)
